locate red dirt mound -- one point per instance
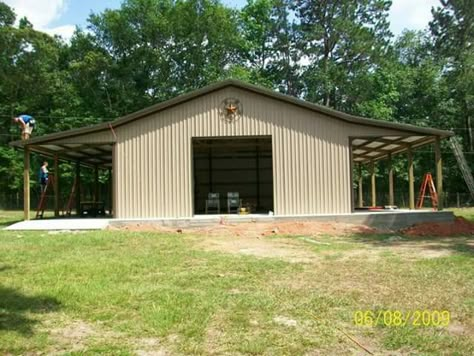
(260, 228)
(459, 226)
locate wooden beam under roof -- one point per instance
(66, 149)
(103, 155)
(63, 157)
(403, 146)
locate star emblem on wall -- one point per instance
(231, 110)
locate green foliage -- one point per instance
(453, 30)
(11, 168)
(7, 16)
(270, 46)
(340, 40)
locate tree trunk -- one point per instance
(327, 94)
(470, 134)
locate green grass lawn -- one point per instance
(8, 217)
(115, 292)
(467, 213)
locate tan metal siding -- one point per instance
(311, 163)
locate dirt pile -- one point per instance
(290, 228)
(140, 227)
(252, 229)
(459, 226)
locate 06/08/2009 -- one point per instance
(395, 318)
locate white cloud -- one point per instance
(41, 13)
(65, 31)
(410, 14)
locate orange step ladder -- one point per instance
(72, 199)
(427, 183)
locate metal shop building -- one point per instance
(274, 152)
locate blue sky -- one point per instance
(61, 16)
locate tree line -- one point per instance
(337, 53)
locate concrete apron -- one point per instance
(59, 224)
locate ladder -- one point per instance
(44, 198)
(72, 198)
(463, 165)
(427, 183)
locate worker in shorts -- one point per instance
(44, 176)
(27, 124)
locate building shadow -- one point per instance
(4, 268)
(462, 245)
(16, 309)
(8, 222)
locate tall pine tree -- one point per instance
(339, 39)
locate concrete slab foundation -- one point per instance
(392, 220)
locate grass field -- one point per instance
(467, 213)
(114, 292)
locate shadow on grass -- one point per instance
(15, 307)
(10, 217)
(6, 223)
(4, 268)
(458, 244)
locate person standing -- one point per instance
(27, 124)
(44, 176)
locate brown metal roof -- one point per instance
(409, 129)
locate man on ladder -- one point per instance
(44, 176)
(45, 181)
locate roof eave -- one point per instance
(61, 135)
(341, 115)
(245, 86)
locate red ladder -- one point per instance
(44, 198)
(427, 183)
(72, 198)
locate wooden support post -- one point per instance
(210, 169)
(96, 183)
(374, 188)
(110, 190)
(360, 188)
(439, 173)
(114, 181)
(56, 186)
(78, 188)
(411, 181)
(257, 171)
(26, 184)
(391, 199)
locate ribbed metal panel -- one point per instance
(311, 157)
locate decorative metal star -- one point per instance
(231, 109)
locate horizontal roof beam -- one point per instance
(49, 153)
(415, 144)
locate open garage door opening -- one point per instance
(233, 175)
